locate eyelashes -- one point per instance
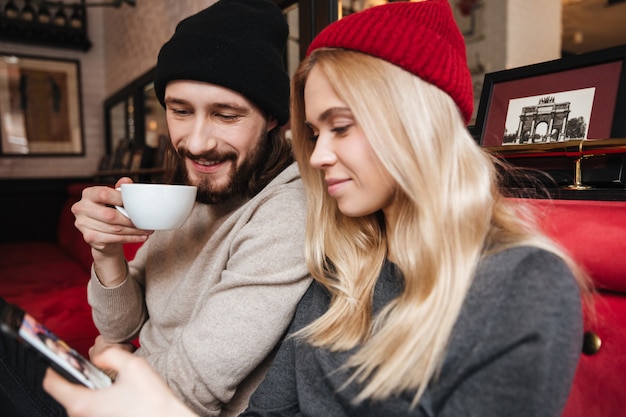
(341, 130)
(338, 131)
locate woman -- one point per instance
(433, 294)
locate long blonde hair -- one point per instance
(451, 214)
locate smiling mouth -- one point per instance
(333, 186)
(331, 182)
(203, 166)
(207, 159)
(208, 163)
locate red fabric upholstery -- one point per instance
(69, 239)
(49, 279)
(593, 232)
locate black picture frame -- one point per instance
(117, 113)
(604, 70)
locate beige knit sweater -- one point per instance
(211, 300)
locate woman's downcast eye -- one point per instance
(341, 130)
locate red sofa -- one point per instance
(48, 279)
(594, 233)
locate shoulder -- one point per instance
(522, 293)
(287, 179)
(285, 193)
(524, 286)
(517, 338)
(278, 209)
(525, 270)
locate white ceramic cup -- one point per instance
(157, 206)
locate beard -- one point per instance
(210, 192)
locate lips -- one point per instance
(333, 181)
(207, 167)
(335, 185)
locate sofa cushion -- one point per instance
(598, 390)
(31, 253)
(49, 279)
(65, 311)
(593, 233)
(31, 280)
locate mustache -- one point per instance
(213, 155)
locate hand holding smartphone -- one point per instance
(63, 359)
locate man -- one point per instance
(211, 300)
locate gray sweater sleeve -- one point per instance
(513, 351)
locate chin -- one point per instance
(351, 212)
(355, 210)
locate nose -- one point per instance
(201, 137)
(323, 155)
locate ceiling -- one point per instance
(591, 25)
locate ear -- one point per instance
(271, 123)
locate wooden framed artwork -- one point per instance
(40, 106)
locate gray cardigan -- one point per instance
(513, 351)
(211, 300)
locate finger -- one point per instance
(100, 195)
(114, 358)
(76, 399)
(103, 231)
(123, 180)
(96, 212)
(60, 388)
(99, 346)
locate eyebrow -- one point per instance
(218, 105)
(329, 112)
(173, 100)
(231, 106)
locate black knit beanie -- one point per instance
(237, 44)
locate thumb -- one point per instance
(123, 180)
(114, 358)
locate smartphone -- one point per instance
(16, 323)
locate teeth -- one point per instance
(208, 163)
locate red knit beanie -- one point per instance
(421, 37)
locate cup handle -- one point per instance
(120, 208)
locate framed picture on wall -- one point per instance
(40, 106)
(574, 98)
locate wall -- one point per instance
(92, 70)
(533, 32)
(511, 34)
(134, 37)
(125, 42)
